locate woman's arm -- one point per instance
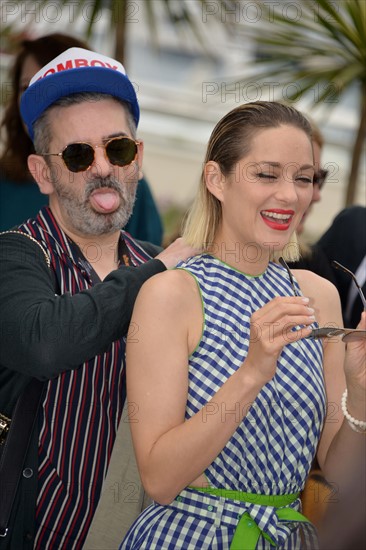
(171, 452)
(347, 449)
(340, 447)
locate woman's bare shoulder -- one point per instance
(171, 302)
(171, 280)
(174, 289)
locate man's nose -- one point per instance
(101, 165)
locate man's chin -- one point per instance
(100, 224)
(111, 221)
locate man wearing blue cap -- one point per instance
(69, 280)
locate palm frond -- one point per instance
(322, 53)
(357, 12)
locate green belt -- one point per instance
(247, 531)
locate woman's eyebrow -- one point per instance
(271, 163)
(278, 164)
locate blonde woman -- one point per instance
(228, 392)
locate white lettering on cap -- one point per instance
(75, 58)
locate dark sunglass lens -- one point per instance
(78, 156)
(121, 151)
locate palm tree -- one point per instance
(316, 46)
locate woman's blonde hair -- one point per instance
(229, 142)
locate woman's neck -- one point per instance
(249, 258)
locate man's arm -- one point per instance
(43, 334)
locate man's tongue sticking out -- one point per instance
(105, 200)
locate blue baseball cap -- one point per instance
(76, 70)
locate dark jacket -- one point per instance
(345, 242)
(24, 275)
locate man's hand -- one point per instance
(176, 252)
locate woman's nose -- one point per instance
(286, 192)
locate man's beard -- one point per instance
(84, 218)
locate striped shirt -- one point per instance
(81, 408)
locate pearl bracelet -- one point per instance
(356, 425)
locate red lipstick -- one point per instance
(277, 219)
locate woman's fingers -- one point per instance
(275, 335)
(282, 321)
(281, 315)
(282, 305)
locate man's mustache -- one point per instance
(100, 183)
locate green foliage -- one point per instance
(320, 47)
(324, 40)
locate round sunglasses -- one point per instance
(79, 156)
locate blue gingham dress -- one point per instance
(272, 450)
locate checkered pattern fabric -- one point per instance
(197, 521)
(271, 451)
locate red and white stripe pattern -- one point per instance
(81, 410)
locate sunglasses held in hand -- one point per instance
(348, 334)
(78, 157)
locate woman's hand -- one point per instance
(271, 330)
(355, 371)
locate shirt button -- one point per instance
(178, 499)
(210, 508)
(27, 472)
(250, 524)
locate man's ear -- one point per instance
(41, 173)
(214, 178)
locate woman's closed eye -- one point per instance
(271, 177)
(305, 179)
(266, 176)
